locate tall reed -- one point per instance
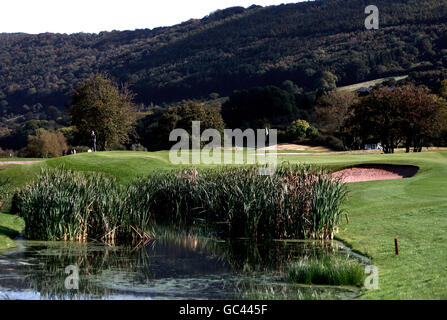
(296, 202)
(68, 205)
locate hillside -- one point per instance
(230, 49)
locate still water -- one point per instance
(166, 268)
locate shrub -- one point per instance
(312, 133)
(298, 129)
(138, 147)
(46, 144)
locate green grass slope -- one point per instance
(10, 226)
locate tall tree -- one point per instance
(181, 118)
(376, 119)
(102, 106)
(257, 107)
(420, 116)
(407, 115)
(332, 110)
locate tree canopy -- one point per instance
(407, 115)
(99, 105)
(258, 107)
(155, 130)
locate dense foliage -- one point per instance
(154, 129)
(256, 107)
(46, 144)
(295, 202)
(314, 44)
(409, 116)
(99, 105)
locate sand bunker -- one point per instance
(297, 147)
(376, 172)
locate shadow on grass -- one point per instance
(10, 233)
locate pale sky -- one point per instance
(93, 16)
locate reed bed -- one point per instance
(74, 206)
(327, 270)
(297, 201)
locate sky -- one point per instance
(93, 16)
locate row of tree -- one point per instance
(407, 116)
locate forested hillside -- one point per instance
(231, 49)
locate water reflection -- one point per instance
(167, 268)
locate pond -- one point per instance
(167, 268)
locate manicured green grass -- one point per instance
(414, 210)
(10, 226)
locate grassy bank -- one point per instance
(414, 210)
(10, 227)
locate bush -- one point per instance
(312, 133)
(300, 130)
(138, 147)
(46, 144)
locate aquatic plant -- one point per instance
(74, 206)
(327, 270)
(296, 202)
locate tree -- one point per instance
(332, 111)
(298, 130)
(408, 115)
(376, 119)
(181, 118)
(46, 144)
(420, 116)
(256, 107)
(326, 81)
(100, 105)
